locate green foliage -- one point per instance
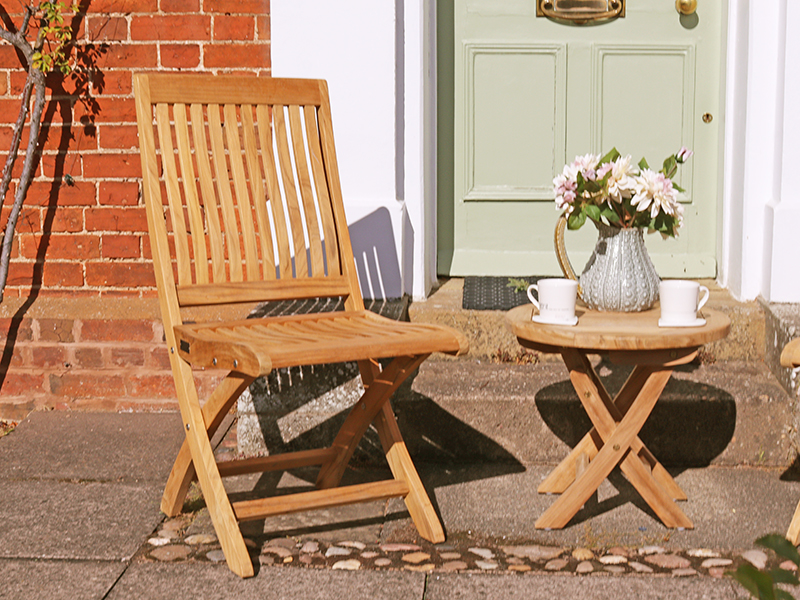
(519, 285)
(593, 198)
(54, 38)
(762, 584)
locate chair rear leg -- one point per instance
(214, 411)
(377, 394)
(376, 409)
(417, 501)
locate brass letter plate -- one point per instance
(580, 12)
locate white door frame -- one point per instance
(759, 250)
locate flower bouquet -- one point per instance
(612, 191)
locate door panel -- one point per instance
(507, 107)
(528, 94)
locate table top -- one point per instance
(597, 330)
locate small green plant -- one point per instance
(6, 427)
(519, 285)
(521, 357)
(763, 584)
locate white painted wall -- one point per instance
(760, 252)
(373, 63)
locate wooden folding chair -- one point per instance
(244, 205)
(790, 359)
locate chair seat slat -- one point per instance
(286, 342)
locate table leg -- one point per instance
(564, 474)
(637, 398)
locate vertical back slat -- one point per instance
(306, 193)
(250, 188)
(354, 301)
(276, 199)
(321, 184)
(290, 193)
(207, 191)
(232, 247)
(258, 193)
(190, 194)
(173, 194)
(240, 188)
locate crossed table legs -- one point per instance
(614, 439)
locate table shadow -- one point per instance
(692, 423)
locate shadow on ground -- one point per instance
(290, 422)
(691, 424)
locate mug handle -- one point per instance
(533, 286)
(705, 297)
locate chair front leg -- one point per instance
(214, 411)
(417, 501)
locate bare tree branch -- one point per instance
(35, 85)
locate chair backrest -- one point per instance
(242, 191)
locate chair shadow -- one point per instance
(691, 424)
(430, 434)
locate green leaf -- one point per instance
(576, 220)
(643, 164)
(783, 576)
(592, 211)
(519, 285)
(783, 595)
(610, 156)
(781, 546)
(677, 187)
(754, 581)
(610, 215)
(670, 164)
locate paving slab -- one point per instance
(149, 581)
(54, 519)
(355, 521)
(730, 509)
(596, 586)
(57, 580)
(725, 413)
(64, 445)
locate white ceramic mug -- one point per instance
(680, 301)
(556, 299)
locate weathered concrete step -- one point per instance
(782, 325)
(489, 336)
(466, 411)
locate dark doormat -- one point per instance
(494, 293)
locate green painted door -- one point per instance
(520, 95)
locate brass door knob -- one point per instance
(686, 7)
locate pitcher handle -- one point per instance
(561, 252)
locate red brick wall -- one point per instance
(65, 362)
(81, 241)
(83, 228)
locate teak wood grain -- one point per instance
(627, 338)
(244, 205)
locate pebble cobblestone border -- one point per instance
(171, 543)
